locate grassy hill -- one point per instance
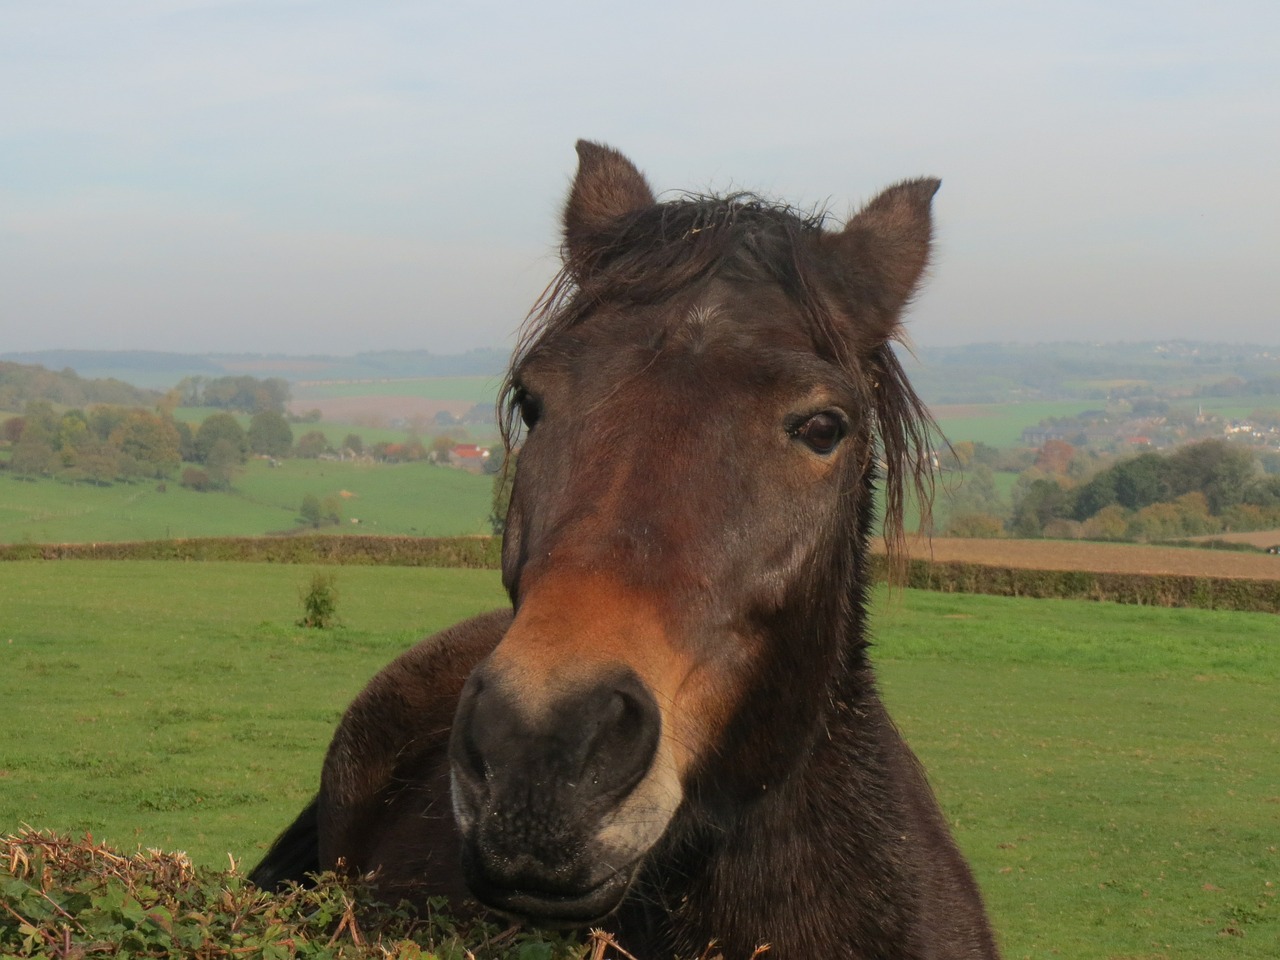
(410, 498)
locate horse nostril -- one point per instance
(469, 722)
(625, 738)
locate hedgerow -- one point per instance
(466, 552)
(1157, 590)
(1164, 590)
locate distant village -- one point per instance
(1136, 427)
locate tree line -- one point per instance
(108, 443)
(21, 383)
(1198, 489)
(244, 393)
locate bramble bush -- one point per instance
(73, 898)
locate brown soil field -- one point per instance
(1099, 557)
(1258, 538)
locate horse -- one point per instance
(674, 731)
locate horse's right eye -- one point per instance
(530, 408)
(820, 432)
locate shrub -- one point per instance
(975, 525)
(320, 602)
(196, 479)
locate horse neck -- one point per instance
(817, 834)
(807, 864)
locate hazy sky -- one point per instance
(285, 175)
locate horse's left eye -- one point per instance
(820, 432)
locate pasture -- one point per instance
(409, 498)
(1001, 424)
(1112, 772)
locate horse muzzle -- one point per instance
(554, 795)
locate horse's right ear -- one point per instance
(607, 186)
(881, 255)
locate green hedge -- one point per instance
(485, 553)
(1157, 590)
(470, 552)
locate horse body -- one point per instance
(676, 727)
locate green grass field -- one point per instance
(1112, 772)
(411, 498)
(1001, 424)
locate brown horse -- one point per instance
(675, 730)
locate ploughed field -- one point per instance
(1099, 557)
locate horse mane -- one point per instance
(651, 254)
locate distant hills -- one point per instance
(1009, 372)
(974, 373)
(160, 371)
(21, 382)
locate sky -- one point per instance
(305, 176)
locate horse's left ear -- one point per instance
(606, 187)
(882, 252)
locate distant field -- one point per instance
(1234, 408)
(412, 498)
(379, 402)
(470, 389)
(371, 426)
(1111, 772)
(1001, 424)
(1100, 557)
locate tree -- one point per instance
(151, 441)
(1142, 481)
(1098, 494)
(270, 434)
(440, 448)
(314, 511)
(310, 445)
(1109, 523)
(962, 453)
(1040, 502)
(354, 443)
(103, 420)
(242, 393)
(221, 463)
(310, 512)
(975, 526)
(196, 479)
(1219, 470)
(186, 440)
(1055, 457)
(99, 462)
(33, 455)
(974, 491)
(221, 426)
(73, 433)
(495, 461)
(11, 430)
